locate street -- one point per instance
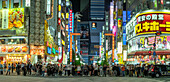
(80, 79)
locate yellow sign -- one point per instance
(59, 7)
(67, 15)
(63, 42)
(151, 22)
(153, 26)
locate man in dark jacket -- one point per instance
(138, 70)
(29, 66)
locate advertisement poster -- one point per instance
(146, 43)
(13, 19)
(14, 49)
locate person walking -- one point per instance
(73, 70)
(9, 69)
(101, 70)
(60, 70)
(79, 70)
(146, 70)
(90, 70)
(43, 70)
(12, 66)
(1, 69)
(29, 66)
(110, 70)
(142, 70)
(95, 70)
(138, 69)
(104, 70)
(123, 70)
(5, 67)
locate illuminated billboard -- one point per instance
(146, 43)
(14, 49)
(13, 19)
(151, 22)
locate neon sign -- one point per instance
(70, 20)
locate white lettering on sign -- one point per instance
(154, 17)
(139, 19)
(161, 17)
(151, 17)
(48, 7)
(143, 18)
(148, 17)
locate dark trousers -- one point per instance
(25, 73)
(145, 73)
(18, 71)
(138, 73)
(118, 73)
(104, 73)
(68, 72)
(8, 72)
(60, 73)
(12, 69)
(1, 72)
(95, 73)
(73, 72)
(30, 71)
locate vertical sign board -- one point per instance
(100, 44)
(113, 43)
(128, 16)
(119, 47)
(106, 44)
(70, 48)
(124, 27)
(48, 7)
(106, 49)
(111, 15)
(70, 20)
(27, 3)
(69, 33)
(124, 38)
(124, 55)
(73, 25)
(5, 19)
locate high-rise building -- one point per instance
(97, 9)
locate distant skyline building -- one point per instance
(97, 9)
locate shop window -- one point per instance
(4, 4)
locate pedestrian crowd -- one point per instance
(40, 69)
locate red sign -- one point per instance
(151, 23)
(70, 20)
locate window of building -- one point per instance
(4, 3)
(16, 3)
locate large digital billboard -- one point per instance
(13, 20)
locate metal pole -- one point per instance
(155, 50)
